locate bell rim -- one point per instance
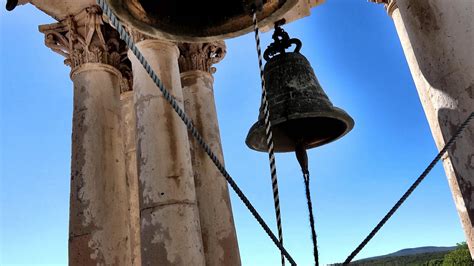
(259, 127)
(127, 18)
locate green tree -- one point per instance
(434, 262)
(458, 257)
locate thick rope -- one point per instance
(311, 218)
(410, 190)
(269, 137)
(302, 157)
(187, 121)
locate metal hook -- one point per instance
(254, 6)
(281, 42)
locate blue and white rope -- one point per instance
(269, 137)
(187, 121)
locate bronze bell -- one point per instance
(198, 20)
(300, 112)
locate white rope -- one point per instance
(269, 137)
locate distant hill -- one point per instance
(413, 251)
(407, 257)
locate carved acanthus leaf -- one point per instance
(200, 56)
(390, 5)
(86, 38)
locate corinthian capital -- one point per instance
(200, 56)
(390, 5)
(137, 36)
(86, 38)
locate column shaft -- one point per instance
(170, 228)
(215, 212)
(99, 232)
(98, 226)
(129, 135)
(437, 37)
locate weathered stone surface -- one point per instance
(300, 10)
(99, 220)
(170, 229)
(99, 232)
(129, 135)
(169, 235)
(215, 212)
(60, 9)
(437, 38)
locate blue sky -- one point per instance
(356, 54)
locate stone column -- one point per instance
(130, 148)
(99, 219)
(170, 228)
(437, 37)
(215, 212)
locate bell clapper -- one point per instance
(11, 4)
(302, 157)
